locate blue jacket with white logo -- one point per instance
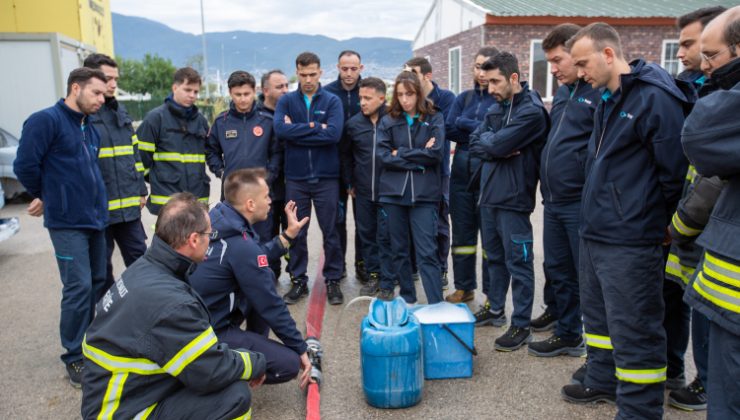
(350, 98)
(635, 166)
(711, 139)
(414, 174)
(57, 161)
(507, 180)
(360, 166)
(243, 140)
(237, 263)
(563, 166)
(310, 152)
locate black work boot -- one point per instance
(298, 289)
(690, 398)
(485, 316)
(544, 322)
(579, 394)
(334, 293)
(513, 339)
(372, 286)
(554, 346)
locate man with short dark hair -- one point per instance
(151, 352)
(310, 121)
(509, 142)
(242, 137)
(468, 111)
(361, 173)
(172, 143)
(562, 177)
(122, 170)
(237, 271)
(57, 163)
(634, 172)
(443, 100)
(347, 89)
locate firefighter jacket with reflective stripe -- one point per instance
(711, 139)
(563, 165)
(119, 161)
(172, 145)
(360, 164)
(635, 166)
(57, 162)
(509, 142)
(414, 174)
(243, 140)
(237, 265)
(151, 336)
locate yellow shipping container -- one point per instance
(88, 21)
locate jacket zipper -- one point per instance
(310, 157)
(508, 118)
(90, 163)
(372, 180)
(560, 124)
(413, 195)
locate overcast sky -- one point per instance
(334, 18)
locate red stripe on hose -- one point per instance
(314, 321)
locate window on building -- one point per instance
(454, 69)
(668, 58)
(540, 78)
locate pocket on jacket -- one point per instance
(615, 193)
(521, 250)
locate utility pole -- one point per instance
(203, 37)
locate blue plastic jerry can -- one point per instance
(391, 355)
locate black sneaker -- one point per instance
(579, 375)
(296, 292)
(360, 272)
(445, 281)
(579, 394)
(334, 293)
(386, 294)
(74, 371)
(513, 339)
(690, 398)
(372, 286)
(485, 316)
(555, 346)
(544, 322)
(675, 383)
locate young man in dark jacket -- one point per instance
(242, 137)
(172, 143)
(711, 139)
(361, 170)
(509, 142)
(122, 171)
(235, 281)
(310, 121)
(57, 163)
(562, 176)
(634, 173)
(466, 114)
(347, 89)
(151, 351)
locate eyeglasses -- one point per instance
(709, 59)
(209, 233)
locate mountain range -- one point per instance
(256, 52)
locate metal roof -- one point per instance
(594, 8)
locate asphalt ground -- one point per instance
(33, 383)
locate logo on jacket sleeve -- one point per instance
(231, 134)
(262, 260)
(257, 131)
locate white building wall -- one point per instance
(446, 18)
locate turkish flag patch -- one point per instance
(262, 260)
(257, 131)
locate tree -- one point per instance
(151, 75)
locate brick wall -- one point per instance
(637, 41)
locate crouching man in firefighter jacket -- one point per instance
(151, 352)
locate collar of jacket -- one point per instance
(235, 222)
(74, 115)
(188, 113)
(648, 73)
(236, 114)
(479, 90)
(728, 75)
(300, 93)
(518, 97)
(163, 254)
(111, 102)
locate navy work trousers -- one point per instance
(507, 240)
(372, 232)
(80, 255)
(560, 241)
(622, 304)
(724, 374)
(420, 223)
(324, 194)
(443, 225)
(131, 240)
